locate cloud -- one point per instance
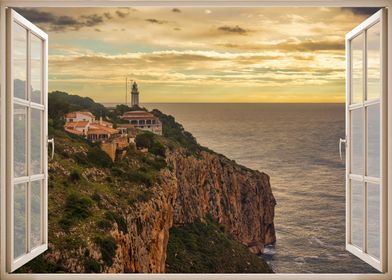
(233, 29)
(361, 11)
(92, 20)
(290, 45)
(122, 14)
(176, 10)
(156, 21)
(108, 15)
(63, 22)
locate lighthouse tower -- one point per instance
(134, 95)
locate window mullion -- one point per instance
(364, 146)
(28, 81)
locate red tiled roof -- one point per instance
(105, 123)
(77, 132)
(76, 124)
(100, 129)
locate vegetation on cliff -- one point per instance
(107, 216)
(204, 247)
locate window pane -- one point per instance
(357, 141)
(373, 126)
(19, 66)
(36, 141)
(36, 69)
(374, 220)
(374, 62)
(357, 213)
(357, 69)
(20, 216)
(36, 214)
(20, 141)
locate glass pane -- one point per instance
(373, 126)
(36, 141)
(374, 220)
(374, 61)
(20, 141)
(36, 69)
(357, 69)
(19, 66)
(20, 216)
(35, 214)
(357, 213)
(357, 141)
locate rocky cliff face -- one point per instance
(237, 197)
(143, 248)
(192, 187)
(210, 184)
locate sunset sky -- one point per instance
(199, 54)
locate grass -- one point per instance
(204, 247)
(77, 207)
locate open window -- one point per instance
(366, 188)
(27, 142)
(27, 173)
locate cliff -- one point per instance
(116, 217)
(238, 198)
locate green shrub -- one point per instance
(157, 149)
(104, 224)
(77, 207)
(96, 197)
(108, 247)
(74, 176)
(118, 172)
(202, 247)
(175, 131)
(119, 219)
(141, 177)
(159, 163)
(91, 265)
(80, 158)
(98, 157)
(144, 139)
(66, 223)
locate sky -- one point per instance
(199, 54)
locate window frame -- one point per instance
(192, 3)
(12, 263)
(362, 29)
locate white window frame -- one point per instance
(12, 264)
(192, 3)
(378, 17)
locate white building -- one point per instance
(143, 120)
(80, 116)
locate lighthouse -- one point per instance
(134, 95)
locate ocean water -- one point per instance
(297, 145)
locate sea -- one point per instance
(297, 145)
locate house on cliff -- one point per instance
(79, 116)
(144, 121)
(113, 141)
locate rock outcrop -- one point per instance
(237, 197)
(192, 187)
(209, 184)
